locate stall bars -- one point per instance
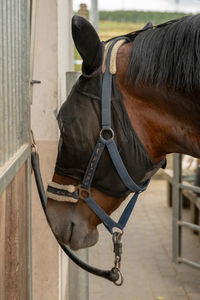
(177, 222)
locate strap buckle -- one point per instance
(83, 193)
(107, 134)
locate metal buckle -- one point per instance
(83, 193)
(111, 133)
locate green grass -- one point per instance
(109, 29)
(77, 68)
(76, 54)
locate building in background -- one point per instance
(83, 11)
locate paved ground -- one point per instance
(147, 266)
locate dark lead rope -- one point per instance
(113, 274)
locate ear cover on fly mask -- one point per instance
(87, 43)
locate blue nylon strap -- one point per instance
(89, 174)
(88, 177)
(107, 220)
(105, 102)
(127, 211)
(106, 90)
(121, 169)
(115, 156)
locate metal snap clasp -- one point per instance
(83, 193)
(120, 279)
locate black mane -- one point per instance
(168, 55)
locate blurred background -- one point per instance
(118, 17)
(145, 5)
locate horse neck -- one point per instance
(164, 122)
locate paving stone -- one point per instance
(146, 262)
(194, 296)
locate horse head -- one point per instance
(152, 104)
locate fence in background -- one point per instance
(178, 223)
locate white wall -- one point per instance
(65, 44)
(53, 56)
(65, 64)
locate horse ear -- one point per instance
(87, 43)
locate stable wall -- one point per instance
(53, 56)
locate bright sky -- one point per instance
(154, 5)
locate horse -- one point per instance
(155, 111)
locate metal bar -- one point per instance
(189, 225)
(189, 187)
(4, 83)
(25, 107)
(189, 263)
(13, 71)
(178, 224)
(32, 43)
(94, 14)
(177, 208)
(78, 279)
(27, 73)
(9, 79)
(16, 74)
(20, 77)
(1, 91)
(27, 36)
(8, 171)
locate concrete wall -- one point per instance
(53, 54)
(65, 45)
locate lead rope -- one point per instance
(115, 275)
